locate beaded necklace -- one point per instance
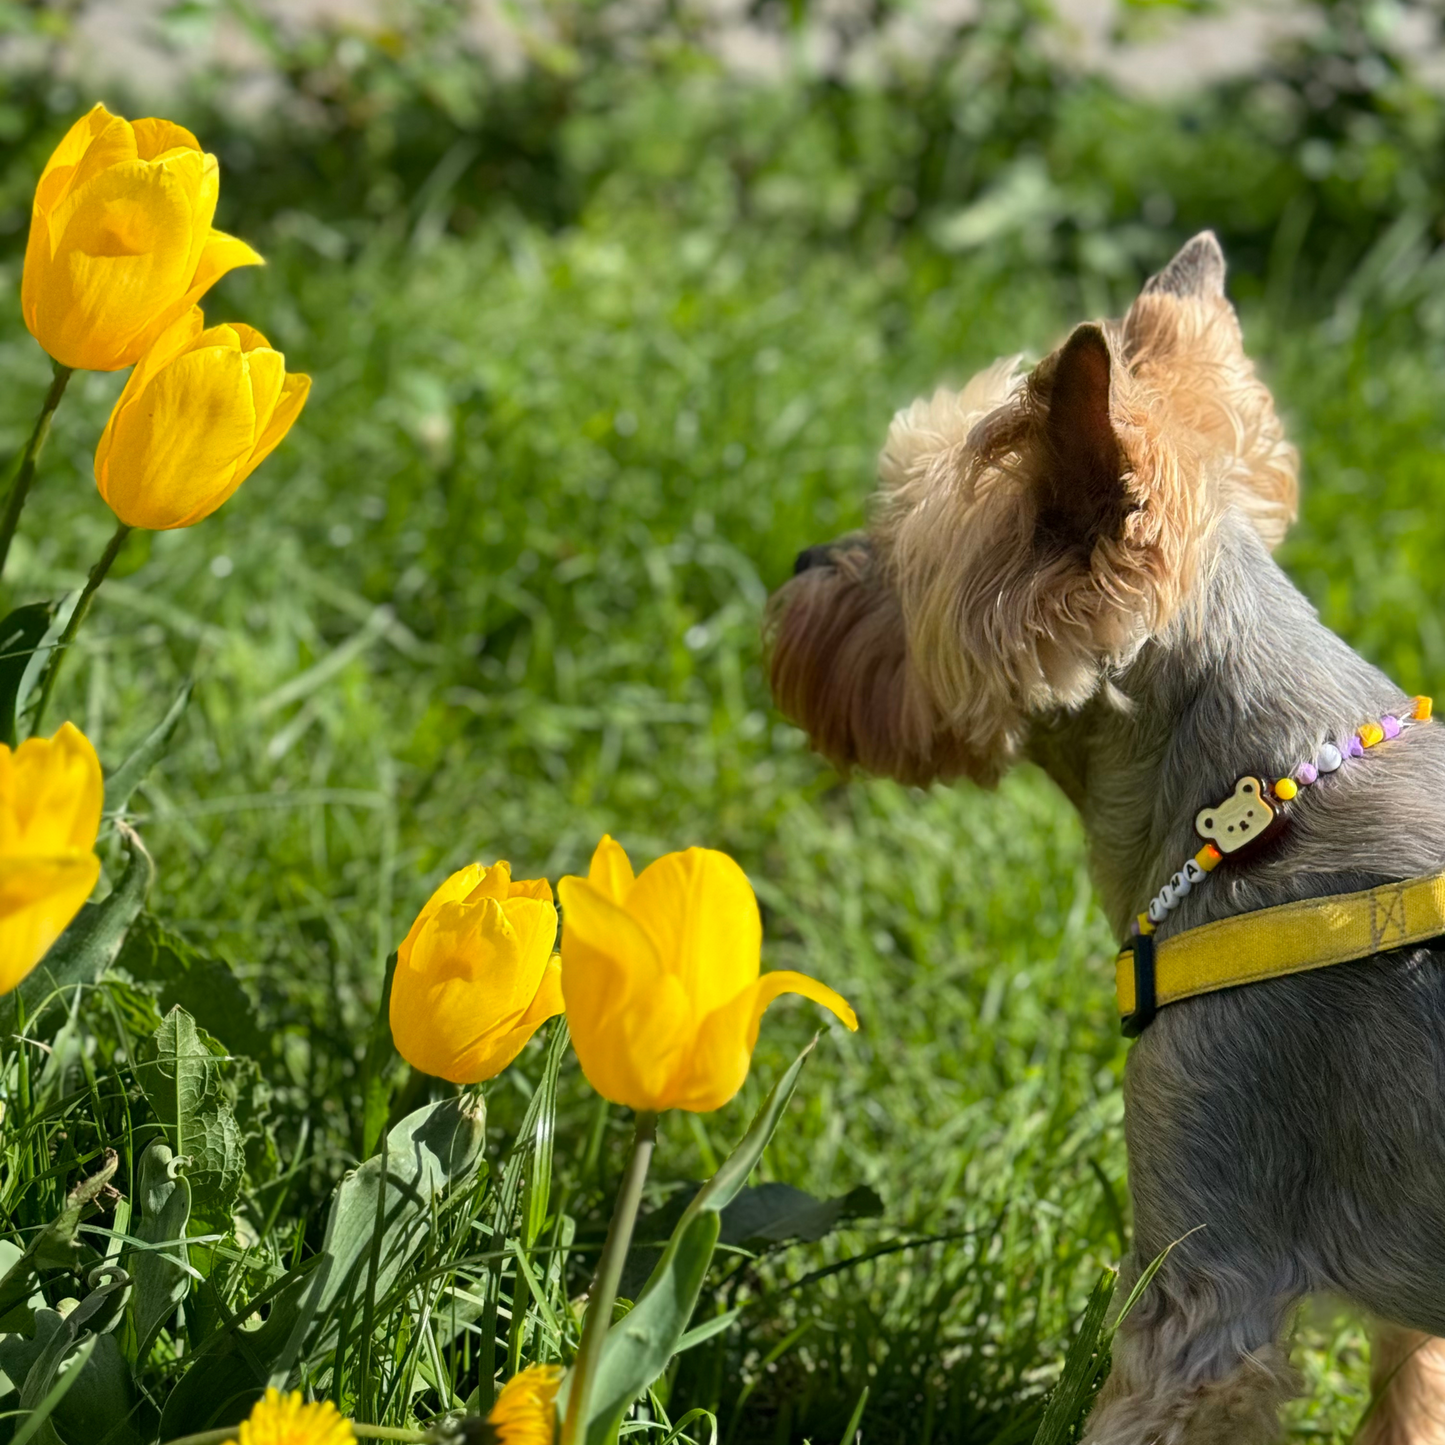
(1255, 810)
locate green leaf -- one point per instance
(205, 987)
(183, 1084)
(42, 656)
(428, 1154)
(36, 1425)
(88, 947)
(376, 1069)
(1072, 1396)
(55, 1246)
(761, 1217)
(228, 1374)
(20, 634)
(42, 1392)
(123, 782)
(160, 1278)
(638, 1348)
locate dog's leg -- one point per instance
(1191, 1370)
(1407, 1381)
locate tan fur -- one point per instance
(1407, 1377)
(973, 621)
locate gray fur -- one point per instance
(1291, 1134)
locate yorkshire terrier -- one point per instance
(1071, 565)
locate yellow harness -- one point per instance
(1274, 942)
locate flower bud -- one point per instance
(202, 410)
(121, 241)
(476, 976)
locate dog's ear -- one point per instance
(1081, 495)
(1181, 340)
(1197, 271)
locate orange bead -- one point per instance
(1208, 857)
(1423, 708)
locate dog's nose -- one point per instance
(818, 556)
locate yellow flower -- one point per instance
(121, 241)
(278, 1419)
(661, 978)
(199, 414)
(476, 976)
(50, 800)
(526, 1410)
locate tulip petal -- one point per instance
(452, 890)
(702, 916)
(121, 244)
(494, 882)
(38, 899)
(51, 795)
(549, 1001)
(611, 869)
(530, 888)
(630, 1019)
(719, 1063)
(153, 138)
(174, 451)
(288, 406)
(56, 177)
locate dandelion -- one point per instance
(202, 410)
(121, 241)
(476, 976)
(526, 1409)
(278, 1419)
(51, 793)
(661, 975)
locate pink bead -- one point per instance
(1391, 726)
(1306, 773)
(1354, 748)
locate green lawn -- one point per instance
(500, 592)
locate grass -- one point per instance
(501, 592)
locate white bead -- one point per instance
(1194, 873)
(1329, 758)
(1157, 911)
(1181, 884)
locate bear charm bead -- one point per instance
(1246, 816)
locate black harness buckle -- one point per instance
(1141, 945)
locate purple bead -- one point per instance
(1391, 726)
(1306, 774)
(1354, 748)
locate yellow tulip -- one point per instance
(476, 976)
(121, 241)
(50, 800)
(661, 978)
(526, 1409)
(199, 414)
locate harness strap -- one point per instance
(1274, 942)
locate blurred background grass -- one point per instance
(608, 307)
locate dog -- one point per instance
(1071, 565)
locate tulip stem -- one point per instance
(15, 503)
(82, 606)
(603, 1294)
